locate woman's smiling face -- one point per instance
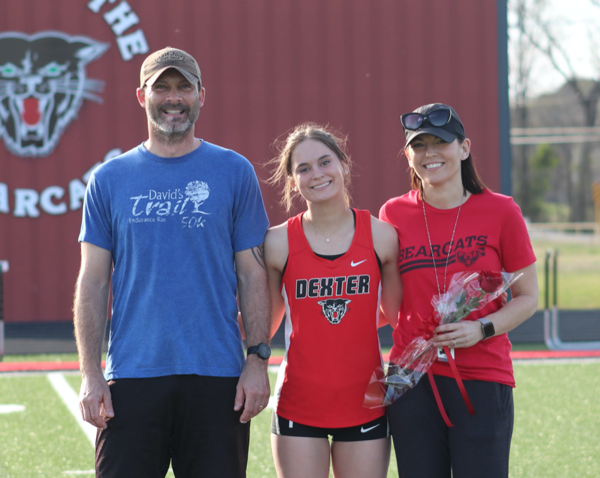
(435, 161)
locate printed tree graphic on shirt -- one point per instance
(198, 192)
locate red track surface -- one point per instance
(39, 366)
(70, 366)
(549, 354)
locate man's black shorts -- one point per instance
(184, 419)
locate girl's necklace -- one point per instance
(431, 248)
(329, 236)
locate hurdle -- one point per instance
(552, 314)
(3, 269)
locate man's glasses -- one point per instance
(438, 118)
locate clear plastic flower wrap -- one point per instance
(467, 291)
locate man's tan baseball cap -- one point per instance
(162, 60)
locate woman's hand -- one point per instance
(465, 333)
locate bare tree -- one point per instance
(521, 68)
(541, 33)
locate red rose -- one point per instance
(490, 281)
(426, 327)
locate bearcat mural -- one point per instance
(68, 74)
(42, 85)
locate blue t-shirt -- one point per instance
(173, 226)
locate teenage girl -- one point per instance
(332, 269)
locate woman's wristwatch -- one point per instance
(487, 327)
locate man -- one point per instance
(181, 223)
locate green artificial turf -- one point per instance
(44, 440)
(557, 422)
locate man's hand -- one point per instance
(253, 388)
(95, 402)
(91, 310)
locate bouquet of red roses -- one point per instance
(467, 291)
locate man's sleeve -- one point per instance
(250, 221)
(96, 227)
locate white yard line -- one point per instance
(71, 400)
(10, 408)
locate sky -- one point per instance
(573, 20)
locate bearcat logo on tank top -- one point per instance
(334, 307)
(42, 86)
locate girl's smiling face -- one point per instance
(317, 172)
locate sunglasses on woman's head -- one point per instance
(438, 118)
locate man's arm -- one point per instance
(253, 389)
(90, 313)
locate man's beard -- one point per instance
(171, 133)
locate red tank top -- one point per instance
(332, 346)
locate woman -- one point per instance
(450, 222)
(329, 268)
